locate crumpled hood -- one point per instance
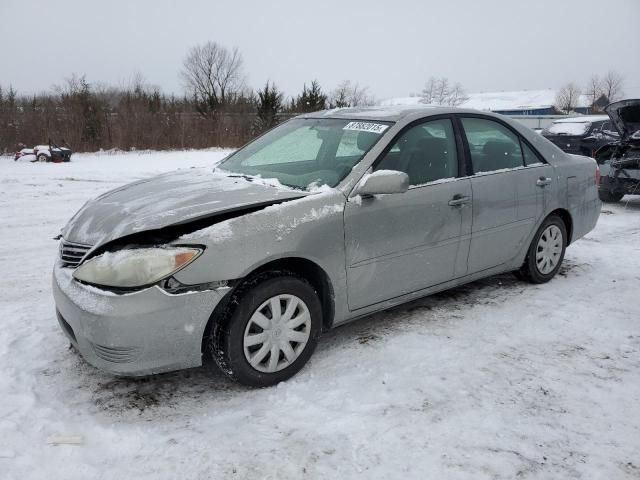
(625, 115)
(169, 199)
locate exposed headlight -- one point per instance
(136, 267)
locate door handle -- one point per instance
(543, 181)
(459, 200)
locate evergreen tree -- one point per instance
(91, 113)
(312, 99)
(11, 100)
(155, 102)
(269, 104)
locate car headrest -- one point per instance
(495, 148)
(364, 140)
(432, 145)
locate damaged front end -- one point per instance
(129, 239)
(620, 162)
(123, 294)
(113, 255)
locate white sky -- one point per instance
(390, 46)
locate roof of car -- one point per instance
(391, 113)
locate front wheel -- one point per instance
(43, 158)
(272, 331)
(546, 251)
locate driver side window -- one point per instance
(426, 152)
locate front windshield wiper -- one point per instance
(239, 175)
(295, 187)
(250, 178)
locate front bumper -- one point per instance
(140, 333)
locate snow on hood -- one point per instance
(625, 115)
(169, 199)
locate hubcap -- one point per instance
(549, 249)
(277, 333)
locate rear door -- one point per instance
(535, 184)
(505, 200)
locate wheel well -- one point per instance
(566, 218)
(314, 274)
(302, 267)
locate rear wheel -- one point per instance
(609, 196)
(272, 331)
(546, 251)
(607, 191)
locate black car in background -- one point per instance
(582, 135)
(619, 161)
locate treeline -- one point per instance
(596, 94)
(216, 109)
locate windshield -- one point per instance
(305, 152)
(568, 128)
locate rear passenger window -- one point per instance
(530, 157)
(425, 152)
(493, 146)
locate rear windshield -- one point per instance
(568, 128)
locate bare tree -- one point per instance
(429, 91)
(612, 85)
(457, 96)
(442, 91)
(213, 75)
(438, 91)
(567, 97)
(593, 90)
(339, 98)
(360, 96)
(347, 94)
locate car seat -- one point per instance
(429, 160)
(497, 155)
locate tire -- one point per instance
(609, 196)
(43, 158)
(553, 232)
(243, 349)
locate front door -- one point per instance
(402, 243)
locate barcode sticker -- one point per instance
(366, 127)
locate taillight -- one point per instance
(597, 175)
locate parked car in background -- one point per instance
(44, 153)
(581, 135)
(620, 161)
(326, 218)
(25, 154)
(52, 153)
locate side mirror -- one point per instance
(383, 182)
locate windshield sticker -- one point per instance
(366, 127)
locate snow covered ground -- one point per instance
(495, 380)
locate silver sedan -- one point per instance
(328, 217)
